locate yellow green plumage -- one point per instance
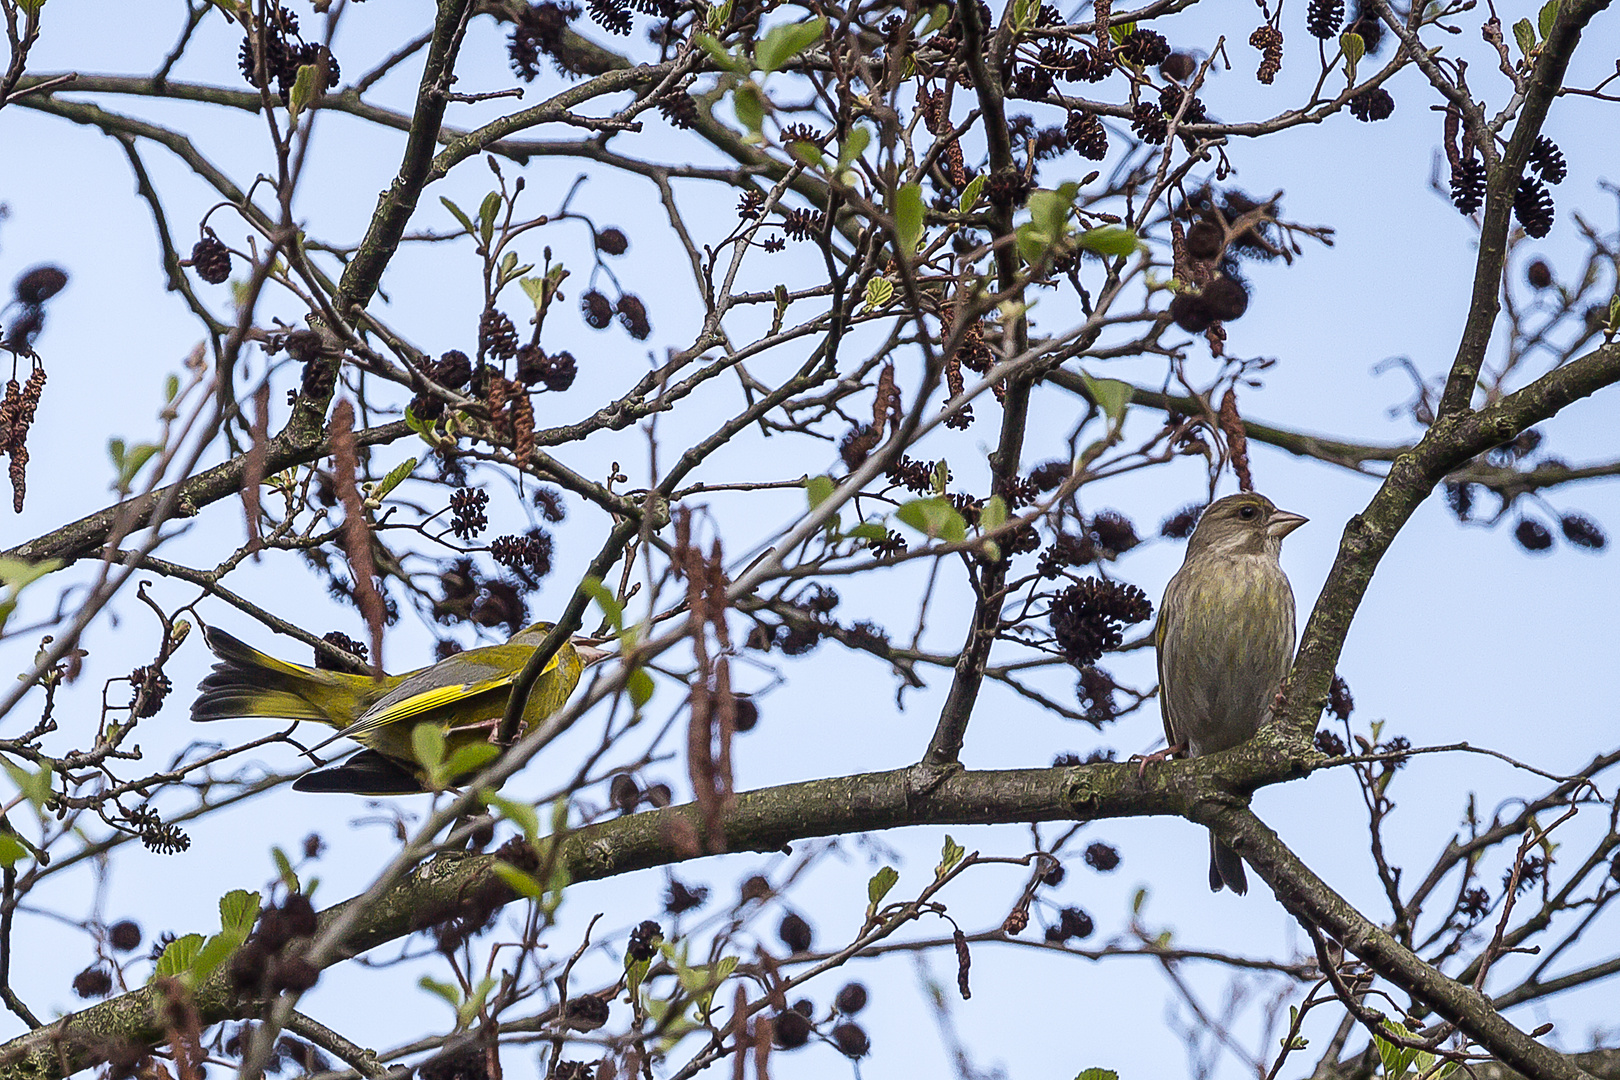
(464, 696)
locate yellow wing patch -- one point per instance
(429, 700)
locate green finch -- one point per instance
(1225, 639)
(464, 695)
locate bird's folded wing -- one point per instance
(391, 710)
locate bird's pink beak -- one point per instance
(590, 654)
(1282, 523)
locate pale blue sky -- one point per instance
(1461, 636)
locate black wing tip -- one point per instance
(366, 773)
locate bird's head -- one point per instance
(1244, 524)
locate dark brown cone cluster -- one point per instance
(497, 336)
(679, 109)
(611, 15)
(1468, 185)
(632, 314)
(343, 641)
(531, 551)
(467, 512)
(644, 941)
(1086, 134)
(1088, 618)
(284, 52)
(1323, 18)
(1143, 48)
(597, 309)
(537, 29)
(211, 259)
(554, 371)
(1072, 923)
(1533, 206)
(1371, 105)
(1222, 299)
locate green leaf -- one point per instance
(908, 218)
(721, 56)
(1354, 49)
(640, 685)
(130, 461)
(12, 850)
(535, 289)
(1032, 243)
(1110, 240)
(19, 574)
(520, 814)
(1396, 1059)
(853, 146)
(1548, 15)
(787, 40)
(427, 744)
(1118, 32)
(475, 1002)
(1525, 35)
(807, 153)
(940, 477)
(748, 102)
(33, 786)
(459, 214)
(611, 607)
(868, 530)
(878, 887)
(178, 956)
(31, 6)
(450, 992)
(171, 388)
(970, 194)
(1098, 1074)
(396, 476)
(634, 972)
(1111, 396)
(819, 489)
(238, 910)
(284, 869)
(1049, 209)
(486, 216)
(469, 759)
(214, 952)
(950, 853)
(935, 517)
(879, 291)
(993, 515)
(560, 881)
(520, 882)
(303, 91)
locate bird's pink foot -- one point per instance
(1155, 757)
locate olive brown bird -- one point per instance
(1225, 640)
(464, 695)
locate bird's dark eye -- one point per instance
(1247, 513)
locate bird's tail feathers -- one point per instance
(247, 682)
(1226, 868)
